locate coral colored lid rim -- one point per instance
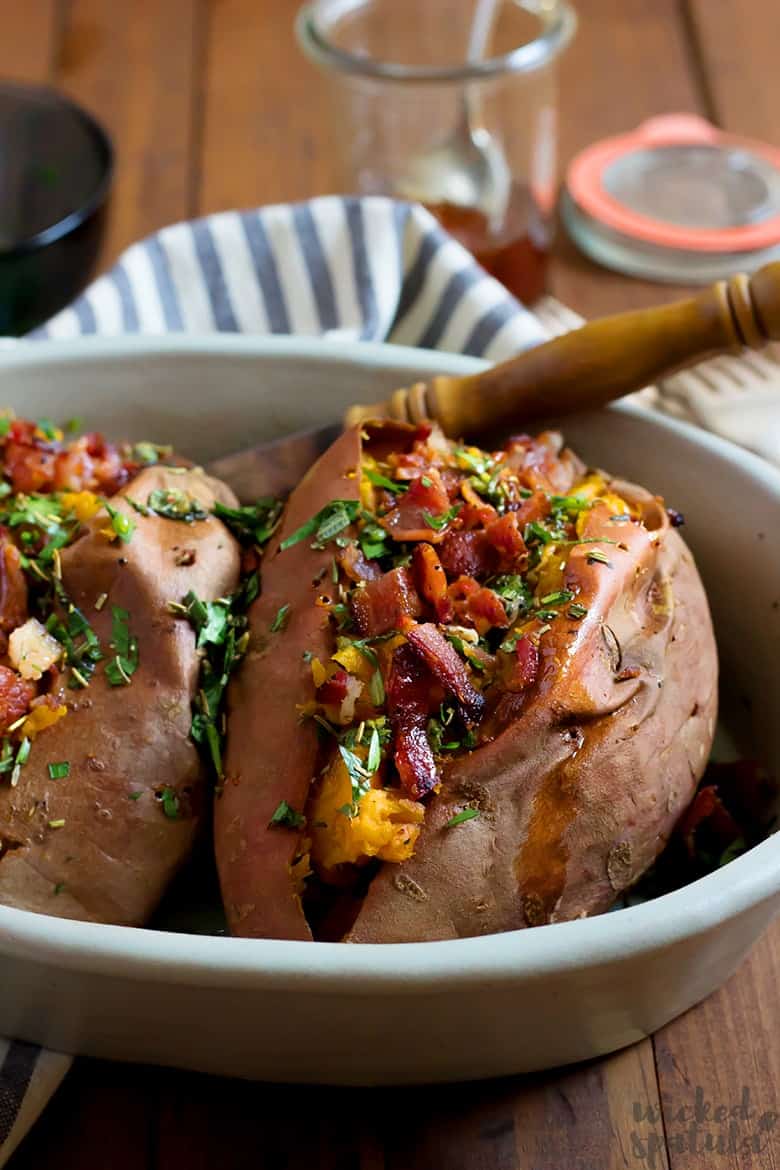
(585, 183)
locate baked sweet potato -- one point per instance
(109, 791)
(490, 701)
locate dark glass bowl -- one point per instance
(56, 165)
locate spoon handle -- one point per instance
(597, 363)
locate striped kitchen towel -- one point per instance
(369, 269)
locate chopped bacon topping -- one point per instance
(334, 690)
(15, 697)
(34, 463)
(356, 566)
(445, 664)
(381, 604)
(425, 501)
(409, 703)
(13, 587)
(707, 808)
(505, 537)
(468, 553)
(523, 666)
(476, 606)
(431, 580)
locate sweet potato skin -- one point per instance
(578, 796)
(271, 754)
(116, 851)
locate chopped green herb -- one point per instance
(465, 814)
(285, 816)
(576, 610)
(536, 533)
(59, 771)
(376, 689)
(596, 556)
(359, 775)
(5, 425)
(439, 522)
(374, 757)
(173, 504)
(427, 481)
(121, 668)
(570, 505)
(326, 524)
(253, 524)
(58, 824)
(388, 484)
(737, 846)
(135, 795)
(281, 619)
(48, 429)
(170, 803)
(60, 886)
(559, 598)
(74, 425)
(149, 453)
(122, 525)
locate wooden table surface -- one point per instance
(211, 106)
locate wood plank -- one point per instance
(133, 65)
(208, 1122)
(267, 126)
(629, 61)
(724, 1055)
(29, 40)
(736, 42)
(581, 1118)
(103, 1115)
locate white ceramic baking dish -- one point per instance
(432, 1011)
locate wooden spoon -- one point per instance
(603, 360)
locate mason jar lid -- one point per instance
(676, 200)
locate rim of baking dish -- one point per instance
(401, 968)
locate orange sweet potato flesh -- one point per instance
(577, 795)
(114, 854)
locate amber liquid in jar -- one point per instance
(516, 253)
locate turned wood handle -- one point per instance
(597, 363)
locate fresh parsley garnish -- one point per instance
(326, 524)
(122, 525)
(253, 524)
(59, 771)
(170, 803)
(121, 668)
(173, 504)
(382, 481)
(465, 814)
(439, 522)
(286, 817)
(281, 619)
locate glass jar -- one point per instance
(453, 104)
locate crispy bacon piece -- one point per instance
(522, 668)
(426, 496)
(506, 538)
(409, 703)
(15, 696)
(431, 580)
(707, 808)
(381, 604)
(13, 587)
(334, 689)
(536, 507)
(476, 606)
(468, 553)
(446, 665)
(355, 565)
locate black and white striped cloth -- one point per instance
(355, 269)
(346, 268)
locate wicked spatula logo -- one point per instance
(702, 1127)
